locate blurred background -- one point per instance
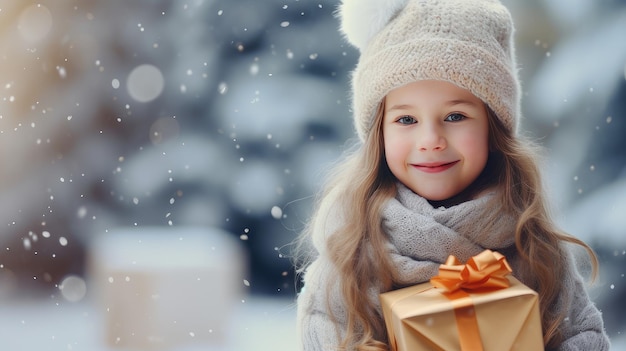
(124, 123)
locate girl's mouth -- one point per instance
(434, 167)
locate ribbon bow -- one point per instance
(487, 271)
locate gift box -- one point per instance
(472, 307)
(166, 288)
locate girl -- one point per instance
(440, 171)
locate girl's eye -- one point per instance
(455, 117)
(406, 120)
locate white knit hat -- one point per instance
(466, 42)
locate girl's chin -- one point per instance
(436, 196)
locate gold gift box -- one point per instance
(422, 317)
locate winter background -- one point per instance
(158, 158)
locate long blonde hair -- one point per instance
(363, 182)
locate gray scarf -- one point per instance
(422, 237)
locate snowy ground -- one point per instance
(260, 324)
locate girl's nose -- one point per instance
(430, 138)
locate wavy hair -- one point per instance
(362, 183)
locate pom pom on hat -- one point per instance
(466, 42)
(362, 19)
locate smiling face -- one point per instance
(435, 138)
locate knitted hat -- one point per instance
(466, 42)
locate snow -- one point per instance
(259, 324)
(255, 187)
(158, 248)
(145, 83)
(190, 160)
(571, 75)
(73, 288)
(34, 23)
(276, 212)
(256, 107)
(600, 215)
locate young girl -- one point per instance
(440, 171)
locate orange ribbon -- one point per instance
(485, 271)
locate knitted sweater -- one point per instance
(420, 239)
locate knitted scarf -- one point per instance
(422, 237)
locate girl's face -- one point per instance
(435, 137)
